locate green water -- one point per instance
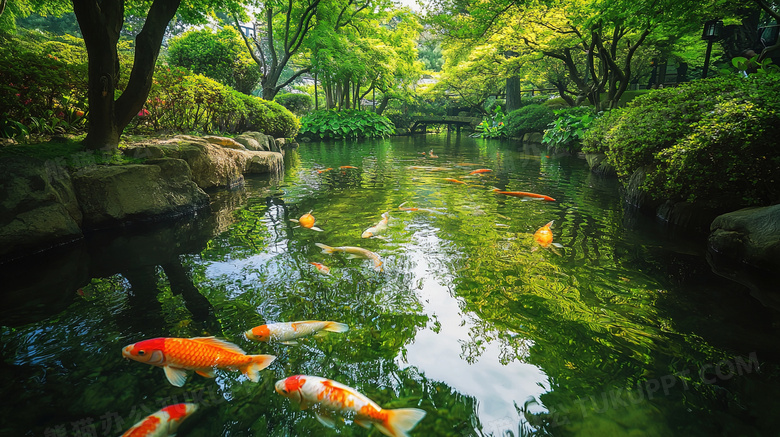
(622, 331)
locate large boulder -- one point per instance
(750, 236)
(113, 195)
(258, 142)
(38, 206)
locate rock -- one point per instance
(597, 162)
(224, 142)
(259, 142)
(38, 206)
(636, 196)
(749, 235)
(113, 195)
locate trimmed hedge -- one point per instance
(530, 118)
(703, 141)
(351, 123)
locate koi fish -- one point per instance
(480, 171)
(328, 396)
(286, 332)
(324, 170)
(377, 229)
(344, 167)
(407, 208)
(307, 221)
(431, 155)
(544, 236)
(354, 252)
(454, 181)
(322, 268)
(524, 194)
(201, 354)
(163, 423)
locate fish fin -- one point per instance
(325, 248)
(364, 423)
(558, 245)
(175, 376)
(336, 327)
(206, 373)
(325, 420)
(258, 363)
(222, 344)
(550, 224)
(289, 342)
(400, 421)
(314, 228)
(352, 256)
(294, 220)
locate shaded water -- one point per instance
(622, 331)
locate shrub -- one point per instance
(556, 103)
(298, 103)
(492, 127)
(351, 123)
(699, 142)
(531, 118)
(569, 127)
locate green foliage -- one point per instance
(707, 141)
(346, 124)
(754, 65)
(298, 103)
(529, 118)
(569, 127)
(221, 56)
(556, 103)
(493, 126)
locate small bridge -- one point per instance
(421, 122)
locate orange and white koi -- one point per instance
(201, 354)
(454, 181)
(287, 332)
(322, 268)
(377, 229)
(162, 423)
(329, 397)
(524, 194)
(544, 236)
(353, 252)
(431, 155)
(480, 171)
(307, 221)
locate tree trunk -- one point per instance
(512, 94)
(100, 25)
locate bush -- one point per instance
(298, 103)
(569, 127)
(351, 123)
(531, 118)
(699, 142)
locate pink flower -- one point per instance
(143, 112)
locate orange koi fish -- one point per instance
(322, 268)
(307, 221)
(201, 354)
(524, 194)
(544, 236)
(285, 333)
(163, 423)
(329, 397)
(480, 171)
(377, 229)
(454, 181)
(324, 170)
(354, 252)
(343, 167)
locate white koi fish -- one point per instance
(328, 397)
(377, 229)
(285, 333)
(353, 252)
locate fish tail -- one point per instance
(549, 224)
(336, 327)
(325, 248)
(258, 363)
(400, 421)
(403, 204)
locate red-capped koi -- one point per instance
(322, 268)
(201, 354)
(353, 252)
(377, 229)
(162, 423)
(544, 236)
(524, 194)
(330, 397)
(307, 221)
(480, 171)
(454, 181)
(287, 332)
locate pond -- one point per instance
(617, 328)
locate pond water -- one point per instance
(622, 330)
